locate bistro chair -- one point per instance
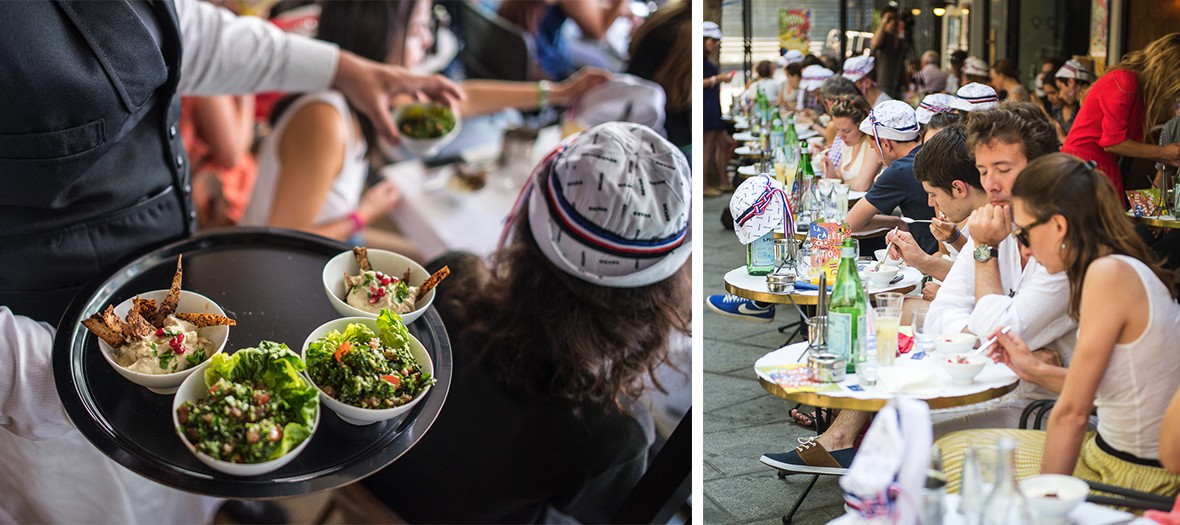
(494, 48)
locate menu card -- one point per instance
(827, 238)
(795, 377)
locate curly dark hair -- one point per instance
(855, 108)
(548, 333)
(1013, 123)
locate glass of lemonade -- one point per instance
(886, 320)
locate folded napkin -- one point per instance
(806, 286)
(908, 379)
(905, 343)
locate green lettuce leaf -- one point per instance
(394, 333)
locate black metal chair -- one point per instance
(494, 48)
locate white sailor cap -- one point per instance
(893, 120)
(814, 77)
(1074, 68)
(976, 66)
(974, 97)
(934, 103)
(856, 68)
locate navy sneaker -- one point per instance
(810, 457)
(740, 308)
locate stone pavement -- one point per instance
(743, 421)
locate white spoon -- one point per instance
(990, 341)
(908, 220)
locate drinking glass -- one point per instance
(841, 192)
(923, 340)
(886, 319)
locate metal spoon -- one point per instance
(908, 220)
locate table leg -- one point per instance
(799, 501)
(800, 326)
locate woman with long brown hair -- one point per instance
(1124, 105)
(1125, 363)
(553, 344)
(856, 164)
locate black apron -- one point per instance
(92, 167)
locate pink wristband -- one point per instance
(358, 223)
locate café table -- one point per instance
(438, 217)
(1158, 221)
(740, 283)
(993, 381)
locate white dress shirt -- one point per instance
(1034, 305)
(49, 473)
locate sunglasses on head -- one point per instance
(1021, 232)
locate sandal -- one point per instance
(803, 419)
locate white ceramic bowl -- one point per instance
(194, 388)
(387, 262)
(883, 256)
(963, 373)
(1070, 492)
(880, 276)
(954, 343)
(367, 416)
(426, 148)
(190, 302)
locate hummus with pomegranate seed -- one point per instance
(372, 291)
(174, 347)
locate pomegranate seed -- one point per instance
(385, 281)
(177, 343)
(381, 292)
(159, 332)
(373, 289)
(373, 299)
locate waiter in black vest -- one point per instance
(92, 169)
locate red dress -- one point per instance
(1111, 113)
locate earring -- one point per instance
(1062, 247)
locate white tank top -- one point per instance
(850, 165)
(1142, 375)
(345, 192)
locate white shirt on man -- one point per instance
(1033, 304)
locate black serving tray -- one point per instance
(269, 280)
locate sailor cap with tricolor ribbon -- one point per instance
(893, 120)
(759, 205)
(611, 206)
(814, 77)
(857, 67)
(974, 97)
(932, 104)
(1074, 68)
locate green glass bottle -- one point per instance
(760, 255)
(846, 310)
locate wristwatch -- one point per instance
(984, 253)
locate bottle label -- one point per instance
(762, 252)
(840, 334)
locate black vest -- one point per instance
(92, 168)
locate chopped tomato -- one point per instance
(342, 350)
(392, 379)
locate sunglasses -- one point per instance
(1021, 232)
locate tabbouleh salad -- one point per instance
(258, 409)
(426, 121)
(366, 369)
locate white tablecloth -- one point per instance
(439, 219)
